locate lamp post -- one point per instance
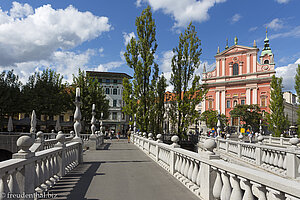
(77, 117)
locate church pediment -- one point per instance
(236, 49)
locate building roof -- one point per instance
(109, 74)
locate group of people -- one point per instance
(111, 135)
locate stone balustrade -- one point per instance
(209, 177)
(93, 141)
(32, 173)
(283, 161)
(277, 141)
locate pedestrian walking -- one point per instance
(128, 135)
(118, 135)
(110, 135)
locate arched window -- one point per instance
(228, 104)
(235, 69)
(266, 62)
(234, 103)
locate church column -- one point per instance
(254, 63)
(254, 96)
(218, 100)
(248, 96)
(218, 68)
(223, 67)
(248, 63)
(223, 102)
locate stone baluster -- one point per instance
(183, 165)
(4, 189)
(226, 189)
(236, 188)
(260, 191)
(274, 194)
(248, 190)
(218, 185)
(195, 172)
(13, 183)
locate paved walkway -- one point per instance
(120, 172)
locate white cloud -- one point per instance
(109, 66)
(101, 50)
(282, 1)
(27, 36)
(183, 11)
(275, 24)
(253, 28)
(127, 37)
(65, 63)
(295, 32)
(19, 11)
(288, 74)
(235, 18)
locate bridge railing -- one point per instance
(278, 141)
(212, 178)
(283, 161)
(33, 173)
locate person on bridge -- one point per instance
(118, 135)
(110, 135)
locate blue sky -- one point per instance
(92, 34)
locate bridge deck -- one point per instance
(120, 171)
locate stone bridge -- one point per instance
(145, 169)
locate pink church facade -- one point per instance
(241, 76)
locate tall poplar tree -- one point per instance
(187, 88)
(276, 119)
(139, 56)
(297, 88)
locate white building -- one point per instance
(112, 83)
(291, 107)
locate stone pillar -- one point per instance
(218, 68)
(61, 157)
(93, 144)
(248, 63)
(207, 178)
(248, 96)
(223, 106)
(254, 96)
(223, 67)
(218, 100)
(26, 176)
(175, 144)
(254, 63)
(291, 162)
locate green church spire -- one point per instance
(266, 49)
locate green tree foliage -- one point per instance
(91, 92)
(10, 94)
(139, 56)
(187, 89)
(249, 114)
(210, 117)
(276, 119)
(45, 93)
(297, 88)
(157, 117)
